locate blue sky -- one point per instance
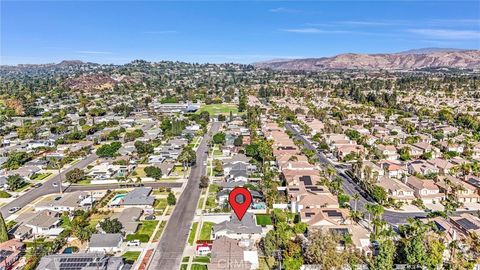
(228, 31)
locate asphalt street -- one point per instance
(351, 187)
(117, 186)
(47, 187)
(169, 251)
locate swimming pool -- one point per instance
(119, 196)
(116, 200)
(70, 250)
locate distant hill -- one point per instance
(408, 60)
(431, 50)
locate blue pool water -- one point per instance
(68, 250)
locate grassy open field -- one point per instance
(216, 109)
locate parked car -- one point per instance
(55, 184)
(150, 217)
(133, 243)
(13, 210)
(38, 185)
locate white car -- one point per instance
(133, 243)
(13, 210)
(55, 184)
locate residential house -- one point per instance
(228, 253)
(67, 202)
(397, 190)
(45, 222)
(388, 151)
(466, 223)
(443, 165)
(393, 169)
(422, 167)
(247, 228)
(426, 190)
(10, 252)
(464, 191)
(139, 197)
(129, 218)
(317, 217)
(451, 147)
(80, 261)
(105, 242)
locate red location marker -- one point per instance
(240, 199)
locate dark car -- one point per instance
(150, 217)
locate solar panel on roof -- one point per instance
(333, 213)
(467, 224)
(439, 226)
(4, 254)
(307, 180)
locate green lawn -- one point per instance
(131, 256)
(144, 231)
(193, 231)
(4, 194)
(139, 172)
(160, 204)
(199, 267)
(201, 259)
(217, 152)
(84, 182)
(214, 188)
(185, 259)
(206, 231)
(24, 186)
(183, 267)
(264, 220)
(215, 109)
(40, 176)
(211, 202)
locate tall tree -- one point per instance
(3, 230)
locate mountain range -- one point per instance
(407, 60)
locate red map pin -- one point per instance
(240, 199)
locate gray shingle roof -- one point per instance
(139, 196)
(246, 226)
(105, 240)
(80, 261)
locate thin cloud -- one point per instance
(368, 23)
(283, 10)
(446, 34)
(93, 52)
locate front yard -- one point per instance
(144, 232)
(206, 231)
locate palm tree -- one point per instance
(330, 171)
